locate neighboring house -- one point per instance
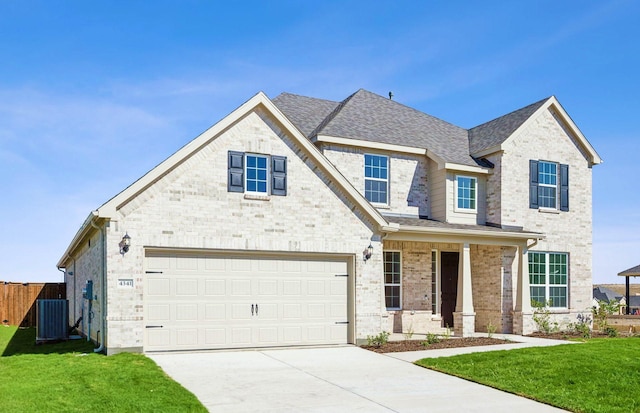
(605, 294)
(302, 221)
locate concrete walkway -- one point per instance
(331, 379)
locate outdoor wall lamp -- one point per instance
(366, 254)
(125, 243)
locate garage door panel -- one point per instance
(187, 287)
(241, 287)
(159, 286)
(204, 302)
(187, 312)
(215, 287)
(158, 312)
(215, 312)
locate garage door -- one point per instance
(225, 301)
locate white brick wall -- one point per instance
(408, 183)
(508, 201)
(191, 208)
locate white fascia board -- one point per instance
(85, 228)
(466, 168)
(595, 158)
(411, 233)
(369, 145)
(551, 104)
(109, 209)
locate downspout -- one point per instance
(103, 288)
(72, 274)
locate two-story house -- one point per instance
(302, 221)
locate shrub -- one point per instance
(379, 340)
(602, 312)
(409, 333)
(582, 326)
(542, 317)
(431, 339)
(491, 329)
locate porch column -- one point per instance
(464, 318)
(523, 313)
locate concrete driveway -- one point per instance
(333, 379)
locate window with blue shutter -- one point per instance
(548, 185)
(257, 174)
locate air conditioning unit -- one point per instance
(53, 320)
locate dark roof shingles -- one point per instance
(498, 130)
(370, 117)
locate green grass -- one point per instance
(600, 375)
(69, 377)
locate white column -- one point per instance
(464, 318)
(523, 313)
(523, 292)
(464, 300)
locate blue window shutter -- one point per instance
(533, 184)
(235, 182)
(564, 187)
(278, 175)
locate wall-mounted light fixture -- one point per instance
(124, 244)
(366, 254)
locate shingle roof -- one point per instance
(430, 223)
(605, 294)
(369, 117)
(304, 112)
(631, 272)
(498, 130)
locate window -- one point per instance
(376, 178)
(392, 278)
(257, 174)
(548, 278)
(547, 180)
(466, 193)
(434, 282)
(549, 185)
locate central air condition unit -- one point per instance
(53, 320)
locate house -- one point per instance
(303, 221)
(602, 293)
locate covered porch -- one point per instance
(447, 278)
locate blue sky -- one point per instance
(93, 95)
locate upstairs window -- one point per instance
(376, 178)
(466, 190)
(257, 174)
(549, 185)
(548, 278)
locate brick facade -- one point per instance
(190, 208)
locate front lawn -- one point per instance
(69, 377)
(600, 375)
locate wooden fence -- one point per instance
(18, 301)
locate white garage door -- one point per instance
(223, 301)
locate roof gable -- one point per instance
(491, 136)
(496, 131)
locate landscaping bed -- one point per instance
(416, 345)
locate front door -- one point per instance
(449, 282)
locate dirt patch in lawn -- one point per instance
(416, 345)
